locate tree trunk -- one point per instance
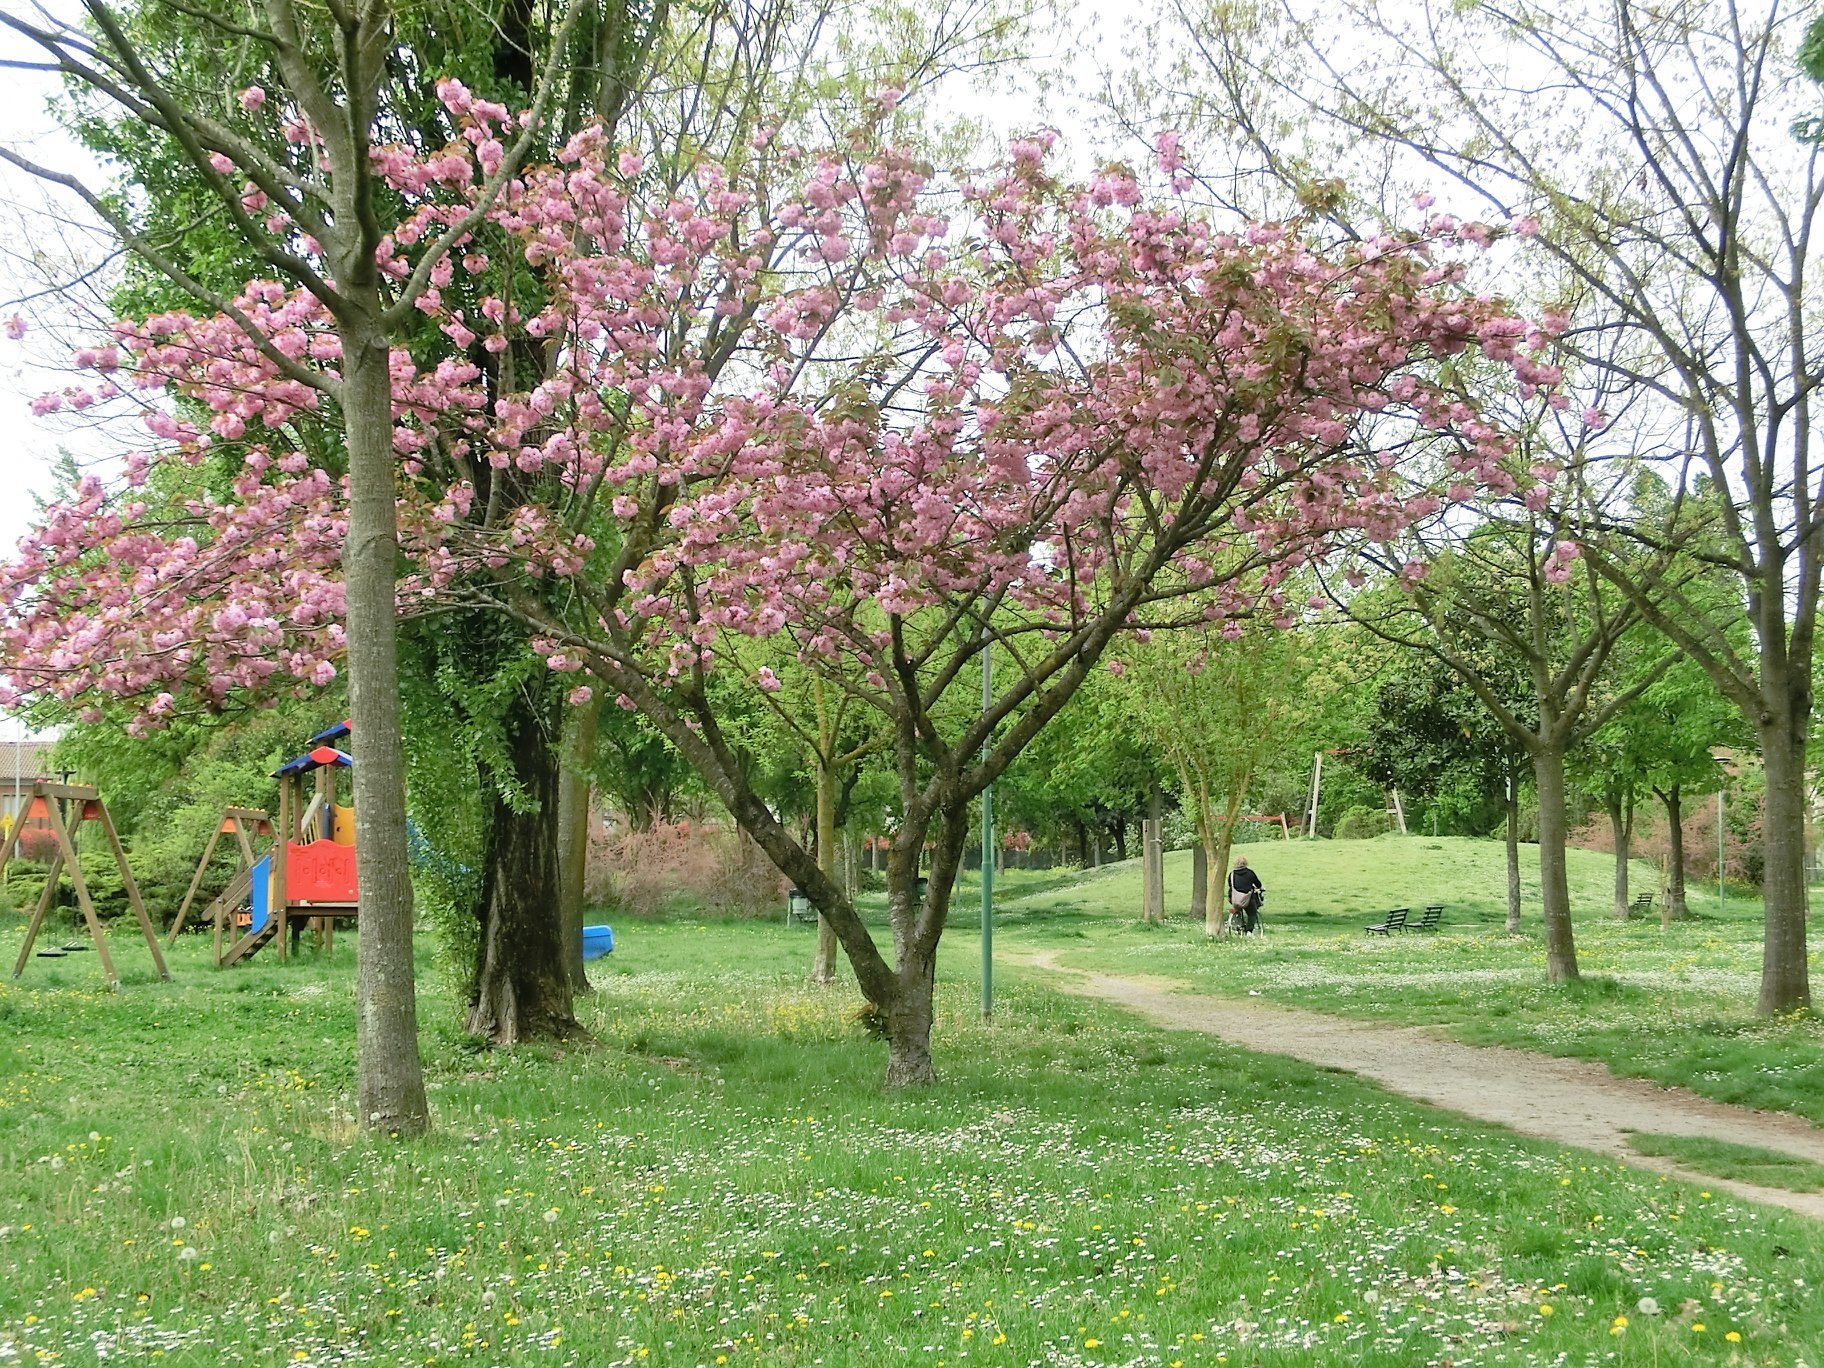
(1513, 854)
(1785, 978)
(1225, 847)
(1200, 877)
(1121, 840)
(521, 990)
(1554, 890)
(389, 1078)
(1095, 849)
(1673, 907)
(903, 1005)
(1621, 827)
(573, 827)
(908, 1021)
(823, 964)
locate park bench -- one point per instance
(1391, 922)
(1643, 905)
(1429, 922)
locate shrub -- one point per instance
(701, 868)
(37, 844)
(1360, 823)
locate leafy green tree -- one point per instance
(1431, 729)
(1507, 598)
(1088, 772)
(1663, 740)
(1674, 248)
(1219, 710)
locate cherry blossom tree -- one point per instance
(886, 420)
(292, 170)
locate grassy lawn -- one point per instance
(1675, 1006)
(1769, 1168)
(719, 1179)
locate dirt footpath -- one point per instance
(1567, 1101)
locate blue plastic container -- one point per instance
(597, 941)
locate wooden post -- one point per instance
(96, 934)
(220, 912)
(277, 897)
(196, 881)
(44, 905)
(89, 808)
(1317, 786)
(98, 810)
(325, 801)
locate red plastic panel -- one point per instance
(320, 871)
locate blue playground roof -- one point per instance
(312, 759)
(330, 735)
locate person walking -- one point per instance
(1246, 893)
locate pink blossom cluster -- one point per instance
(723, 410)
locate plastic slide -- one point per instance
(262, 893)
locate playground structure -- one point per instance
(306, 873)
(56, 807)
(245, 825)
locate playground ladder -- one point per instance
(251, 942)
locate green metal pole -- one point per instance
(1719, 850)
(987, 855)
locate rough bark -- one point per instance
(823, 964)
(1785, 977)
(1225, 847)
(389, 1078)
(1621, 827)
(1554, 889)
(903, 1003)
(908, 1020)
(521, 990)
(1513, 854)
(1672, 907)
(574, 794)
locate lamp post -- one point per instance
(1725, 759)
(987, 852)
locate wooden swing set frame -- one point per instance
(46, 802)
(244, 824)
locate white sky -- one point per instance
(39, 234)
(46, 235)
